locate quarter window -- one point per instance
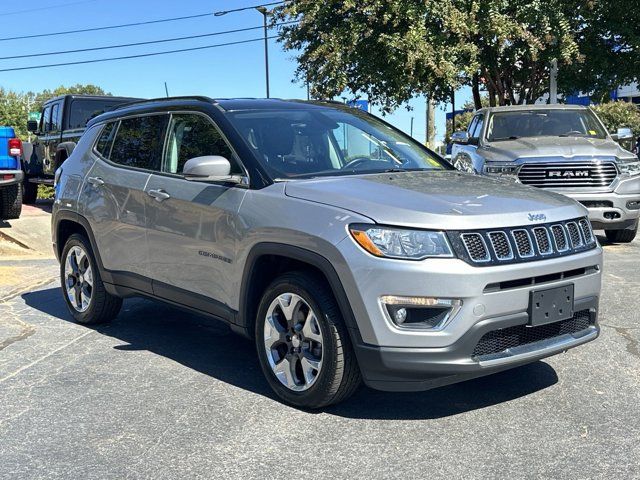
(106, 139)
(192, 136)
(138, 142)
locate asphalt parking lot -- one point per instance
(161, 393)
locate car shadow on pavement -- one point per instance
(211, 348)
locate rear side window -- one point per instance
(138, 142)
(106, 139)
(192, 136)
(83, 110)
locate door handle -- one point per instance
(95, 181)
(159, 195)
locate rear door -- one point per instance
(127, 152)
(193, 226)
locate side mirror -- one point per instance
(624, 133)
(461, 138)
(209, 168)
(32, 126)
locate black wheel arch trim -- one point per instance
(302, 255)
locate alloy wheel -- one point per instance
(293, 342)
(78, 279)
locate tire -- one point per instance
(29, 192)
(10, 201)
(100, 307)
(622, 236)
(338, 376)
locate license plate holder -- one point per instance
(551, 305)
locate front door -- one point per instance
(193, 226)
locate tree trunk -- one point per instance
(475, 88)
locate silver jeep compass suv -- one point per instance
(342, 247)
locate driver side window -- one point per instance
(190, 136)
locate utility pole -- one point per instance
(265, 13)
(411, 127)
(453, 111)
(553, 82)
(431, 123)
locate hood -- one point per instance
(510, 150)
(439, 200)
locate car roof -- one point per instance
(538, 106)
(224, 104)
(89, 97)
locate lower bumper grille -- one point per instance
(498, 341)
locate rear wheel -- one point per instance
(622, 236)
(29, 192)
(10, 201)
(302, 342)
(84, 292)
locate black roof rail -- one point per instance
(200, 98)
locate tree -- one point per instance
(615, 115)
(15, 107)
(394, 50)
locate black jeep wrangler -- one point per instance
(62, 121)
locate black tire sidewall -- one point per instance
(317, 392)
(88, 315)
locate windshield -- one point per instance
(543, 123)
(317, 141)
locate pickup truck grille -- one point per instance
(523, 244)
(568, 174)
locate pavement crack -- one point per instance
(19, 291)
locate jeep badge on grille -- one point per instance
(537, 217)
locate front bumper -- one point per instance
(394, 358)
(17, 177)
(417, 369)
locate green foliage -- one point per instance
(394, 50)
(45, 192)
(14, 106)
(619, 114)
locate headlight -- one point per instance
(400, 243)
(629, 167)
(502, 169)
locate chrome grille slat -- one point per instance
(476, 247)
(525, 243)
(599, 174)
(501, 246)
(524, 246)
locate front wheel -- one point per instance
(302, 342)
(622, 236)
(83, 289)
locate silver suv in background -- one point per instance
(562, 148)
(342, 247)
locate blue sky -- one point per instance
(234, 71)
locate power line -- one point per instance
(166, 52)
(50, 7)
(224, 12)
(109, 27)
(135, 24)
(149, 42)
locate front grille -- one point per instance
(522, 244)
(568, 174)
(498, 341)
(543, 241)
(501, 246)
(560, 238)
(476, 247)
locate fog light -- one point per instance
(400, 315)
(633, 205)
(423, 313)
